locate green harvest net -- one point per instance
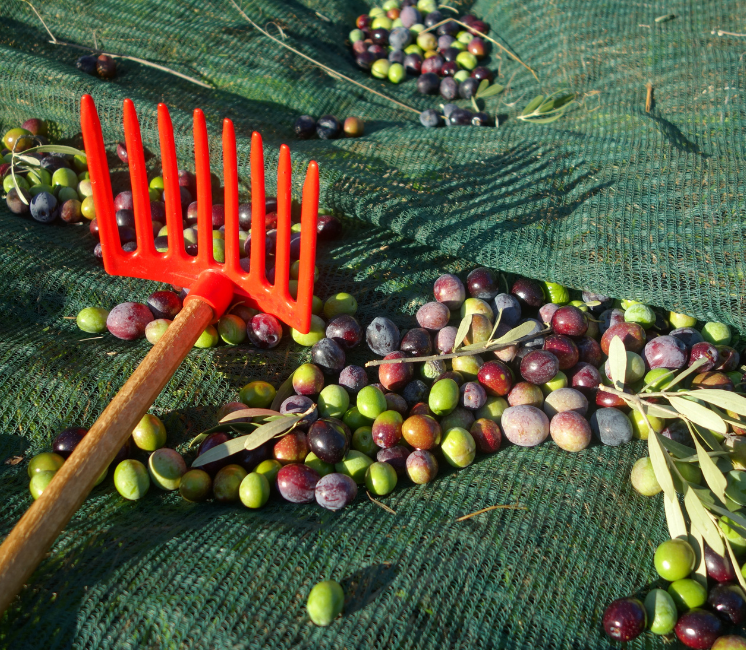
(635, 204)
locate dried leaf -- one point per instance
(674, 518)
(283, 392)
(698, 414)
(701, 522)
(665, 18)
(722, 398)
(533, 105)
(218, 452)
(248, 413)
(516, 333)
(713, 476)
(617, 362)
(271, 429)
(463, 330)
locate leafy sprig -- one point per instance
(725, 491)
(544, 109)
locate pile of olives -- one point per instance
(699, 616)
(59, 186)
(102, 65)
(327, 127)
(394, 40)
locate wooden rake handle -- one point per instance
(34, 534)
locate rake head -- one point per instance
(213, 281)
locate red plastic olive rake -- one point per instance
(212, 287)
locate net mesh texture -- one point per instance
(611, 198)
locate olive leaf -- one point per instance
(617, 362)
(736, 490)
(723, 398)
(248, 413)
(271, 429)
(474, 103)
(700, 570)
(494, 89)
(701, 522)
(516, 333)
(698, 414)
(660, 462)
(482, 86)
(463, 330)
(658, 410)
(681, 452)
(707, 436)
(544, 109)
(497, 324)
(656, 380)
(283, 392)
(197, 440)
(734, 560)
(665, 18)
(684, 374)
(674, 518)
(533, 105)
(713, 476)
(218, 452)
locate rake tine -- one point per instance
(230, 174)
(139, 180)
(204, 190)
(94, 144)
(309, 215)
(258, 226)
(282, 259)
(171, 185)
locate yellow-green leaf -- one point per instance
(660, 465)
(617, 362)
(533, 105)
(221, 451)
(685, 373)
(723, 399)
(701, 522)
(463, 330)
(696, 542)
(283, 392)
(674, 518)
(713, 476)
(516, 333)
(734, 560)
(698, 414)
(249, 413)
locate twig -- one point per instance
(479, 512)
(462, 352)
(720, 32)
(92, 338)
(69, 318)
(382, 505)
(491, 40)
(56, 41)
(649, 98)
(328, 70)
